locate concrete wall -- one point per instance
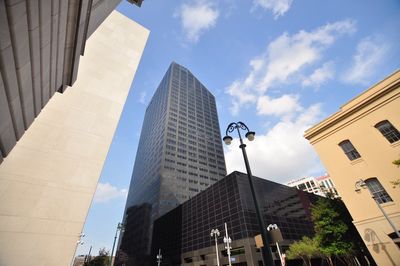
(356, 122)
(40, 47)
(47, 182)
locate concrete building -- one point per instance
(317, 185)
(183, 234)
(54, 140)
(179, 154)
(357, 146)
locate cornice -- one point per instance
(360, 102)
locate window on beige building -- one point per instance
(388, 131)
(395, 238)
(377, 190)
(349, 150)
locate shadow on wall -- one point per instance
(377, 244)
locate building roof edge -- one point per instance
(372, 93)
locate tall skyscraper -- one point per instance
(179, 154)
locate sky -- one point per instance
(279, 66)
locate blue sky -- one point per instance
(280, 66)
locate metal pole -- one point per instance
(387, 217)
(79, 242)
(216, 248)
(279, 252)
(228, 247)
(361, 183)
(87, 256)
(112, 251)
(265, 250)
(159, 256)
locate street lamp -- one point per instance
(78, 242)
(121, 228)
(265, 250)
(228, 241)
(362, 184)
(215, 233)
(276, 236)
(159, 257)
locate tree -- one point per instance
(332, 232)
(103, 259)
(306, 248)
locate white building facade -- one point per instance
(317, 185)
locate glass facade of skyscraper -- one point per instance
(179, 154)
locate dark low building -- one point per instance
(183, 234)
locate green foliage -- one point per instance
(396, 162)
(330, 227)
(335, 234)
(103, 259)
(306, 248)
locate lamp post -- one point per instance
(121, 228)
(228, 241)
(361, 184)
(159, 257)
(78, 242)
(276, 236)
(215, 233)
(265, 250)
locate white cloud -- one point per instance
(241, 94)
(284, 105)
(319, 76)
(106, 192)
(282, 153)
(287, 55)
(368, 57)
(142, 97)
(278, 7)
(286, 58)
(196, 18)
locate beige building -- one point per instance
(54, 144)
(357, 146)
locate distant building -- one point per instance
(357, 145)
(317, 185)
(179, 155)
(183, 234)
(327, 186)
(79, 260)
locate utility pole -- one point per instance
(228, 241)
(215, 233)
(159, 257)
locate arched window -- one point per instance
(349, 150)
(388, 131)
(377, 190)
